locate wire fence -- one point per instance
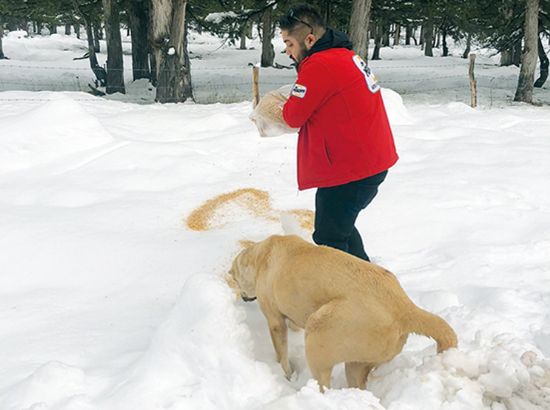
(433, 82)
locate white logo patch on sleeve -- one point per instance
(299, 90)
(372, 83)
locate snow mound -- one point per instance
(200, 357)
(396, 110)
(32, 48)
(460, 108)
(17, 34)
(47, 132)
(309, 397)
(49, 386)
(483, 374)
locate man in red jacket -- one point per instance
(345, 143)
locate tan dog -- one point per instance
(352, 311)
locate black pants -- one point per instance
(336, 210)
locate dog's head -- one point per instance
(242, 275)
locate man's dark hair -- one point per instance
(301, 15)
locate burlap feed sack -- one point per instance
(268, 114)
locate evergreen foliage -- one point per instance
(498, 24)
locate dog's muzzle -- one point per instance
(247, 299)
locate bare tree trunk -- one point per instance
(397, 35)
(268, 53)
(377, 42)
(506, 57)
(421, 40)
(53, 28)
(543, 65)
(138, 16)
(153, 66)
(468, 46)
(67, 29)
(99, 33)
(385, 35)
(524, 92)
(516, 53)
(187, 86)
(428, 37)
(168, 30)
(444, 42)
(115, 64)
(326, 12)
(100, 73)
(91, 48)
(97, 36)
(408, 35)
(359, 26)
(152, 52)
(242, 34)
(2, 56)
(77, 30)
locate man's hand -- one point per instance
(268, 115)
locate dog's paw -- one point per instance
(293, 377)
(292, 374)
(288, 370)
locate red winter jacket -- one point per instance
(344, 130)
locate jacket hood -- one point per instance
(331, 39)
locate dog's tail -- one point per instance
(427, 324)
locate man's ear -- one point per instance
(310, 40)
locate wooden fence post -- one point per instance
(473, 83)
(255, 85)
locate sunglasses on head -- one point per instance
(293, 17)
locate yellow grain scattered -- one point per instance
(305, 217)
(207, 216)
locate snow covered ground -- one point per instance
(109, 301)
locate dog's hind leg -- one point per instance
(322, 348)
(322, 376)
(357, 373)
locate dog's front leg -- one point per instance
(279, 332)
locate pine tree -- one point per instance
(138, 19)
(115, 62)
(2, 56)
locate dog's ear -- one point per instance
(230, 280)
(246, 243)
(232, 283)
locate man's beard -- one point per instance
(303, 52)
